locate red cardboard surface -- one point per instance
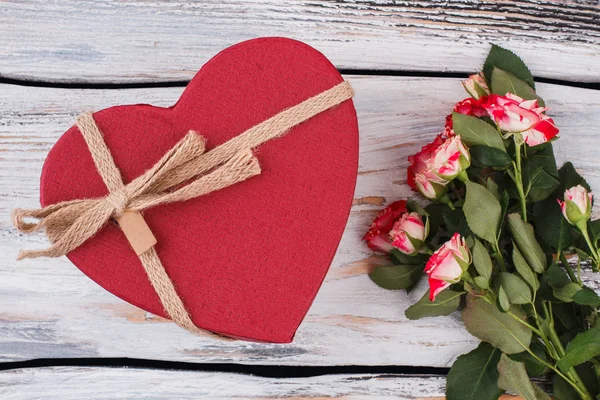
(247, 260)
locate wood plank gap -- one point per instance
(265, 371)
(343, 71)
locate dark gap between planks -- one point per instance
(265, 371)
(344, 71)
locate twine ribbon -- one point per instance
(184, 172)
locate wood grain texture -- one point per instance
(69, 383)
(50, 310)
(93, 383)
(146, 41)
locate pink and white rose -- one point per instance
(437, 163)
(476, 86)
(450, 159)
(409, 233)
(512, 114)
(577, 205)
(420, 177)
(447, 264)
(468, 106)
(378, 235)
(430, 185)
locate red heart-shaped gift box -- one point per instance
(247, 260)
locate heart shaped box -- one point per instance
(246, 260)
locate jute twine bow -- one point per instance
(184, 172)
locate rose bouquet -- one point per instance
(502, 238)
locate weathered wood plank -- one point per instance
(49, 309)
(144, 41)
(96, 383)
(118, 383)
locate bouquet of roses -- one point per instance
(503, 238)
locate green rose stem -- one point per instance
(518, 177)
(568, 268)
(582, 226)
(596, 367)
(425, 250)
(543, 336)
(446, 200)
(575, 380)
(570, 377)
(498, 257)
(462, 176)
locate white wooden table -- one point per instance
(404, 58)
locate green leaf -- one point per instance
(584, 347)
(446, 302)
(503, 303)
(565, 318)
(482, 260)
(563, 389)
(474, 376)
(504, 82)
(482, 211)
(566, 292)
(524, 237)
(397, 276)
(476, 132)
(506, 60)
(539, 184)
(492, 186)
(587, 297)
(456, 222)
(595, 230)
(556, 276)
(569, 177)
(436, 217)
(532, 365)
(487, 323)
(524, 269)
(543, 156)
(490, 157)
(551, 226)
(482, 282)
(400, 258)
(412, 205)
(516, 289)
(589, 378)
(514, 378)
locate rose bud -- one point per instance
(577, 207)
(513, 114)
(419, 163)
(447, 265)
(476, 86)
(420, 177)
(409, 233)
(430, 185)
(378, 235)
(451, 158)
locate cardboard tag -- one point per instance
(136, 231)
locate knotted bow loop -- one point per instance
(70, 223)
